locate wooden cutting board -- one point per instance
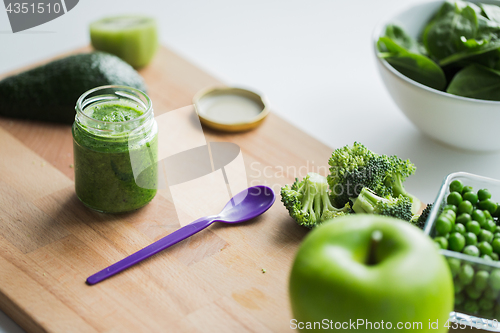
(212, 282)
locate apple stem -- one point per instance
(375, 239)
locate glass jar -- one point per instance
(115, 147)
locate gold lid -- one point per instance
(230, 109)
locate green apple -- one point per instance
(370, 269)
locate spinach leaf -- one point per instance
(413, 65)
(476, 81)
(445, 34)
(400, 37)
(491, 11)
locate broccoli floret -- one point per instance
(420, 221)
(354, 168)
(398, 173)
(308, 201)
(370, 203)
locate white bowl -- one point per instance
(462, 122)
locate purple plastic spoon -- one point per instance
(242, 207)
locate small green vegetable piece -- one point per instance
(442, 242)
(473, 227)
(472, 292)
(454, 264)
(453, 208)
(464, 218)
(370, 203)
(494, 279)
(466, 275)
(471, 197)
(456, 242)
(471, 306)
(466, 189)
(494, 256)
(460, 228)
(308, 201)
(472, 250)
(454, 198)
(488, 205)
(495, 244)
(470, 239)
(484, 248)
(491, 225)
(456, 186)
(485, 236)
(465, 207)
(478, 215)
(444, 224)
(483, 194)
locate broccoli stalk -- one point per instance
(369, 202)
(308, 201)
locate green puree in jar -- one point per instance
(104, 177)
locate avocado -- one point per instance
(49, 92)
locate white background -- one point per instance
(312, 59)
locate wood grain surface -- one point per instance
(213, 282)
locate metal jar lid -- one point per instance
(230, 109)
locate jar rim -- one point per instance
(148, 107)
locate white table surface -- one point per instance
(312, 59)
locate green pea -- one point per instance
(453, 208)
(490, 294)
(494, 256)
(472, 292)
(442, 242)
(456, 186)
(487, 214)
(490, 225)
(467, 189)
(497, 212)
(478, 215)
(487, 258)
(472, 226)
(456, 242)
(465, 207)
(458, 285)
(495, 244)
(466, 275)
(485, 248)
(450, 214)
(470, 238)
(485, 236)
(459, 299)
(496, 235)
(471, 306)
(483, 194)
(481, 280)
(454, 264)
(472, 250)
(464, 218)
(443, 225)
(497, 229)
(494, 279)
(485, 304)
(460, 228)
(471, 197)
(489, 205)
(454, 198)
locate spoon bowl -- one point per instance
(244, 206)
(247, 205)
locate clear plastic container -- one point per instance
(482, 318)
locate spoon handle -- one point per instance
(148, 251)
